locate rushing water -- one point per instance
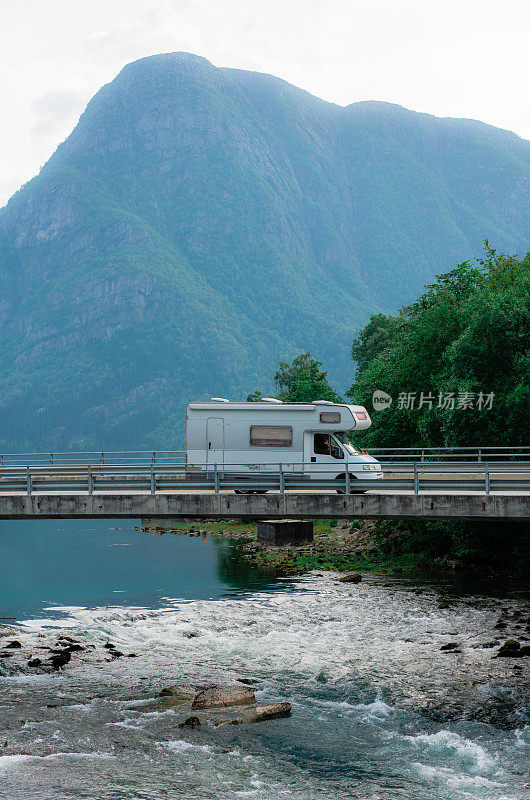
(379, 712)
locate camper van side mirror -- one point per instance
(337, 452)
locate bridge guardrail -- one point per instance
(407, 455)
(415, 477)
(84, 458)
(426, 454)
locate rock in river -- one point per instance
(61, 659)
(355, 578)
(169, 697)
(273, 711)
(222, 703)
(216, 697)
(190, 722)
(180, 694)
(513, 649)
(262, 714)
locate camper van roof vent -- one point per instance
(270, 400)
(323, 403)
(219, 400)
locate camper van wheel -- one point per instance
(249, 491)
(352, 490)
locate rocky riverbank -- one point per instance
(338, 545)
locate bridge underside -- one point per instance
(273, 505)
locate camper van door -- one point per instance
(308, 451)
(215, 441)
(327, 457)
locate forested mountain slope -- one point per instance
(200, 223)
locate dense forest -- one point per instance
(456, 364)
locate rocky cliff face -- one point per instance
(201, 223)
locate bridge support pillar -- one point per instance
(285, 531)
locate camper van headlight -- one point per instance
(369, 466)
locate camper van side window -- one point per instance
(330, 416)
(269, 436)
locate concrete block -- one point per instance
(285, 531)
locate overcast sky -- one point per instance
(461, 58)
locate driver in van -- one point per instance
(324, 445)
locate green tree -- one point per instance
(467, 336)
(378, 334)
(301, 382)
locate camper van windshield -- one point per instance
(343, 439)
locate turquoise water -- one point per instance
(379, 712)
(92, 562)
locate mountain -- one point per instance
(199, 224)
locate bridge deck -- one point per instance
(295, 505)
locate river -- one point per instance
(378, 711)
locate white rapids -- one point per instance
(379, 712)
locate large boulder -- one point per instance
(169, 697)
(273, 711)
(261, 714)
(216, 697)
(224, 703)
(180, 694)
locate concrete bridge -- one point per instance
(142, 488)
(273, 505)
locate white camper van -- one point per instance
(307, 439)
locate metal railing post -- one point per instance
(90, 480)
(480, 454)
(416, 479)
(486, 479)
(282, 480)
(347, 479)
(28, 481)
(153, 480)
(215, 479)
